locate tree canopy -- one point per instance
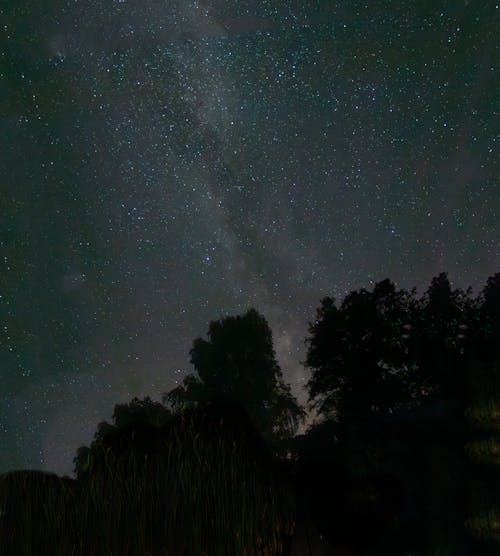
(135, 413)
(383, 350)
(357, 352)
(238, 362)
(236, 365)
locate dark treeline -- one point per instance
(405, 456)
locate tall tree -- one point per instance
(357, 353)
(238, 362)
(440, 332)
(489, 320)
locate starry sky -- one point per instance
(167, 163)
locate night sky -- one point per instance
(167, 163)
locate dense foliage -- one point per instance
(405, 457)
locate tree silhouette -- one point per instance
(488, 344)
(358, 352)
(125, 416)
(183, 468)
(374, 361)
(238, 362)
(141, 411)
(142, 426)
(440, 332)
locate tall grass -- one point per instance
(207, 493)
(35, 512)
